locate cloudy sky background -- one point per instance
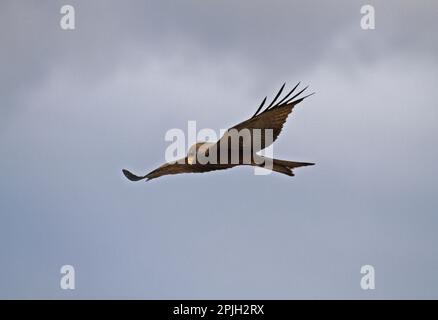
(78, 106)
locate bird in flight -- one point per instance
(264, 125)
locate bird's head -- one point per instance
(198, 148)
(191, 155)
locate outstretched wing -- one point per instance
(176, 168)
(272, 117)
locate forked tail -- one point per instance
(283, 166)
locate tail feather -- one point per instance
(292, 164)
(282, 169)
(286, 167)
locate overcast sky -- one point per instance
(78, 106)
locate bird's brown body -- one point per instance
(265, 126)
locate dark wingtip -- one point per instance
(301, 99)
(286, 96)
(131, 176)
(276, 97)
(261, 105)
(309, 95)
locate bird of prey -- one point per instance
(271, 118)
